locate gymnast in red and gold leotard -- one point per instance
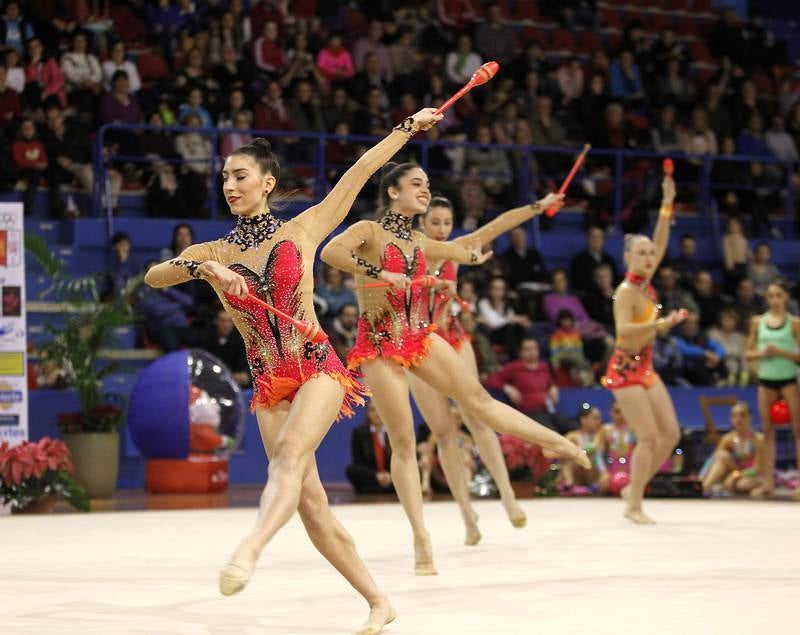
(300, 387)
(395, 334)
(638, 389)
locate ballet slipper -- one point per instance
(473, 536)
(380, 615)
(516, 515)
(237, 573)
(423, 556)
(638, 517)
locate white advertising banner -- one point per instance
(13, 331)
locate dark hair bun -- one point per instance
(262, 144)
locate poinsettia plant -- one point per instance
(33, 470)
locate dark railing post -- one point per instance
(618, 166)
(705, 185)
(321, 180)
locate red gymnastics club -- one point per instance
(575, 167)
(481, 76)
(310, 331)
(426, 282)
(669, 168)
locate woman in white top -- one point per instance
(735, 254)
(118, 62)
(15, 74)
(733, 341)
(81, 69)
(463, 62)
(495, 313)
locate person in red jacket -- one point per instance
(30, 160)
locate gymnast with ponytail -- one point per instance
(395, 335)
(299, 385)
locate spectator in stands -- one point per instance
(779, 142)
(613, 132)
(300, 64)
(370, 471)
(340, 108)
(243, 27)
(735, 253)
(751, 140)
(371, 77)
(747, 302)
(685, 263)
(718, 114)
(236, 104)
(195, 105)
(343, 330)
(522, 262)
(569, 78)
(119, 106)
(569, 364)
(164, 18)
(727, 176)
(492, 164)
(665, 136)
(670, 293)
(674, 85)
(243, 122)
(406, 59)
(30, 160)
(761, 198)
(496, 314)
(43, 77)
(727, 332)
(335, 63)
(667, 359)
(583, 264)
(121, 266)
(15, 30)
(70, 157)
(746, 106)
(270, 112)
(463, 62)
(546, 129)
(232, 73)
(229, 34)
(698, 139)
(268, 52)
(195, 150)
(164, 314)
(495, 40)
(706, 298)
(119, 62)
(224, 342)
(372, 44)
(595, 100)
(599, 299)
(182, 237)
(458, 14)
(83, 74)
(10, 108)
(760, 270)
(374, 119)
(792, 123)
(334, 290)
(304, 111)
(15, 73)
(626, 78)
(528, 384)
(703, 357)
(484, 354)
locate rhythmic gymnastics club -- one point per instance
(310, 331)
(423, 281)
(481, 76)
(669, 168)
(575, 167)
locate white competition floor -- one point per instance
(708, 567)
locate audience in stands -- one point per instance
(703, 357)
(122, 266)
(583, 264)
(370, 471)
(343, 329)
(224, 342)
(165, 315)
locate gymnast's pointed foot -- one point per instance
(516, 515)
(581, 458)
(638, 517)
(381, 613)
(423, 555)
(237, 573)
(473, 536)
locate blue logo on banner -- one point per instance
(9, 420)
(10, 396)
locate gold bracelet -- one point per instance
(666, 210)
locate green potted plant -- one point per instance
(92, 433)
(34, 474)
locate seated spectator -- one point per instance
(697, 140)
(233, 73)
(31, 163)
(706, 298)
(599, 299)
(242, 122)
(268, 51)
(613, 131)
(703, 357)
(735, 254)
(335, 62)
(583, 264)
(473, 199)
(10, 108)
(300, 65)
(547, 131)
(569, 78)
(343, 330)
(374, 120)
(498, 317)
(43, 77)
(370, 471)
(481, 346)
(670, 294)
(83, 74)
(119, 62)
(372, 44)
(674, 85)
(521, 262)
(195, 150)
(747, 302)
(236, 103)
(667, 359)
(780, 143)
(15, 73)
(761, 270)
(182, 238)
(270, 112)
(334, 291)
(121, 267)
(686, 261)
(751, 140)
(230, 35)
(733, 341)
(164, 315)
(463, 62)
(340, 108)
(119, 106)
(626, 78)
(665, 137)
(15, 30)
(224, 342)
(727, 176)
(494, 39)
(371, 76)
(566, 353)
(304, 111)
(194, 105)
(492, 164)
(528, 384)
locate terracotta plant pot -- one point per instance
(44, 505)
(96, 459)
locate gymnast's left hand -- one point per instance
(231, 282)
(446, 287)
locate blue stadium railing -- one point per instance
(618, 162)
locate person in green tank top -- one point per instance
(772, 346)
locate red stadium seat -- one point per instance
(563, 40)
(699, 52)
(151, 66)
(687, 25)
(590, 42)
(534, 34)
(526, 11)
(129, 27)
(611, 18)
(763, 83)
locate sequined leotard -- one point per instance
(394, 324)
(276, 259)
